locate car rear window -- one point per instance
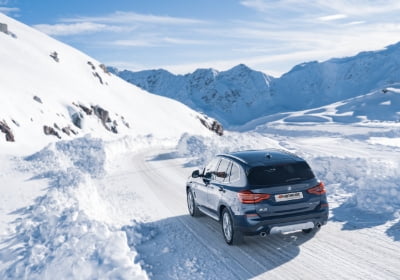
(280, 174)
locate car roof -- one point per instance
(265, 157)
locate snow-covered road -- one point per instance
(173, 245)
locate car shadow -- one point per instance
(184, 247)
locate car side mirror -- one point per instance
(207, 177)
(196, 174)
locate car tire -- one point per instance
(231, 236)
(191, 203)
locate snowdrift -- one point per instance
(67, 234)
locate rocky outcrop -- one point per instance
(212, 124)
(105, 119)
(104, 68)
(68, 130)
(7, 131)
(37, 99)
(48, 130)
(54, 55)
(77, 119)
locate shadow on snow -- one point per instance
(184, 247)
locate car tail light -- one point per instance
(318, 189)
(248, 197)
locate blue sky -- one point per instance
(182, 35)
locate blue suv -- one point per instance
(258, 192)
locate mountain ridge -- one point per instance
(307, 85)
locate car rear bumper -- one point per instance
(251, 225)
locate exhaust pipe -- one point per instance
(319, 225)
(263, 234)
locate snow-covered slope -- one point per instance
(44, 83)
(314, 84)
(239, 95)
(380, 106)
(234, 96)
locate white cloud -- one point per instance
(332, 17)
(259, 5)
(180, 41)
(131, 17)
(8, 10)
(74, 28)
(360, 7)
(156, 40)
(133, 43)
(356, 22)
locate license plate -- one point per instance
(288, 196)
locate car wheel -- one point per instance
(191, 203)
(230, 235)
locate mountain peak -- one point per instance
(241, 94)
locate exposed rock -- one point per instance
(37, 99)
(3, 28)
(68, 130)
(212, 124)
(104, 68)
(77, 119)
(91, 65)
(85, 109)
(114, 127)
(48, 130)
(98, 76)
(125, 122)
(54, 55)
(7, 130)
(15, 122)
(104, 116)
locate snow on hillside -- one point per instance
(381, 106)
(46, 83)
(241, 94)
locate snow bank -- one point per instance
(64, 234)
(368, 184)
(372, 184)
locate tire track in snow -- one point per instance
(172, 198)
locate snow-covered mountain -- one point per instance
(377, 106)
(233, 97)
(50, 91)
(241, 94)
